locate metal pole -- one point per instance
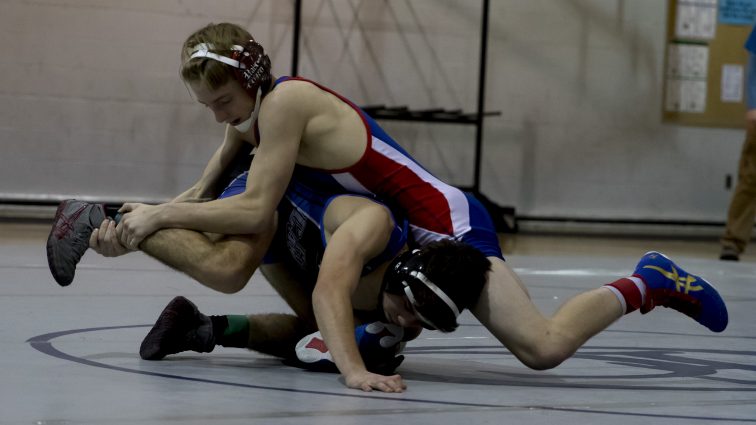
(295, 41)
(481, 96)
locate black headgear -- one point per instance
(405, 276)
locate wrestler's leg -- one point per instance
(182, 327)
(506, 310)
(296, 293)
(223, 263)
(276, 334)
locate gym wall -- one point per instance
(92, 106)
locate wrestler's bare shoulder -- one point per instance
(296, 92)
(307, 96)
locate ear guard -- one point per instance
(253, 72)
(435, 309)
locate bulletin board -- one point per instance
(705, 67)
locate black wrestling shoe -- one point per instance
(69, 238)
(180, 327)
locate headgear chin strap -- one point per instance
(247, 124)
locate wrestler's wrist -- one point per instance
(164, 215)
(353, 370)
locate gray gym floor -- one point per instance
(69, 355)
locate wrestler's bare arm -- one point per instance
(363, 234)
(282, 121)
(104, 240)
(204, 187)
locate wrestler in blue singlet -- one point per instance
(300, 238)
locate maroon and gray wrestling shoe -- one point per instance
(69, 237)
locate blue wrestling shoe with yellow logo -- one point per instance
(670, 286)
